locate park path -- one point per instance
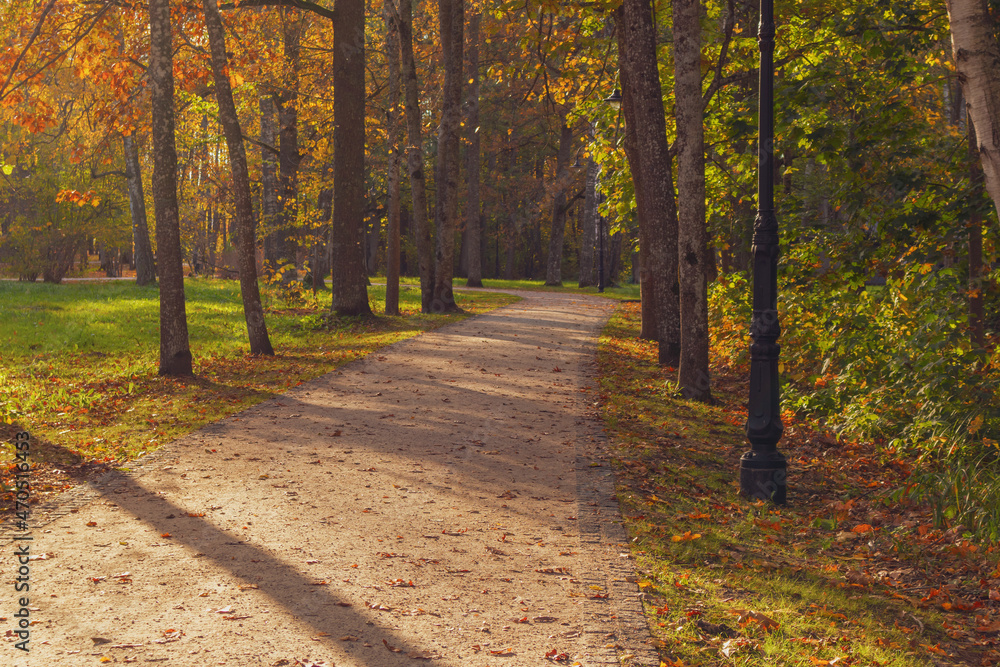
(444, 499)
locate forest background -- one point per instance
(516, 166)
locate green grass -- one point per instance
(623, 292)
(78, 362)
(824, 586)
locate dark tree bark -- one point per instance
(392, 109)
(473, 216)
(588, 228)
(415, 157)
(253, 311)
(288, 148)
(553, 269)
(977, 335)
(644, 118)
(451, 19)
(269, 209)
(692, 234)
(175, 354)
(350, 291)
(142, 258)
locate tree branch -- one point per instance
(300, 4)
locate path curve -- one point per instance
(444, 499)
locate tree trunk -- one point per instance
(288, 148)
(692, 234)
(976, 54)
(977, 336)
(273, 245)
(451, 19)
(350, 291)
(588, 227)
(253, 311)
(644, 116)
(142, 257)
(473, 215)
(553, 270)
(392, 106)
(415, 157)
(175, 354)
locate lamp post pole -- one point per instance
(763, 469)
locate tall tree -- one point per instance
(145, 266)
(649, 162)
(292, 26)
(473, 211)
(588, 227)
(451, 19)
(390, 13)
(274, 243)
(415, 156)
(246, 241)
(977, 52)
(175, 355)
(350, 289)
(692, 234)
(553, 269)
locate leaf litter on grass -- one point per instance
(845, 574)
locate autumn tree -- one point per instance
(175, 355)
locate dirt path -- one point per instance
(441, 500)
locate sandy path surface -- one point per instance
(443, 500)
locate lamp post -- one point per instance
(763, 469)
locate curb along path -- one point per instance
(434, 501)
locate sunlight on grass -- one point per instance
(724, 581)
(78, 362)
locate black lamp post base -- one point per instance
(763, 476)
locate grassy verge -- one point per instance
(78, 362)
(843, 575)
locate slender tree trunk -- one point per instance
(977, 55)
(473, 219)
(977, 334)
(350, 291)
(269, 208)
(451, 19)
(288, 149)
(175, 354)
(644, 116)
(415, 157)
(588, 227)
(392, 106)
(253, 311)
(553, 269)
(692, 234)
(142, 258)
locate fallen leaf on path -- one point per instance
(348, 638)
(556, 656)
(392, 648)
(503, 652)
(235, 618)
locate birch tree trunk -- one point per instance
(692, 235)
(175, 353)
(392, 106)
(977, 59)
(145, 266)
(349, 282)
(451, 19)
(644, 117)
(415, 156)
(473, 217)
(253, 310)
(553, 269)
